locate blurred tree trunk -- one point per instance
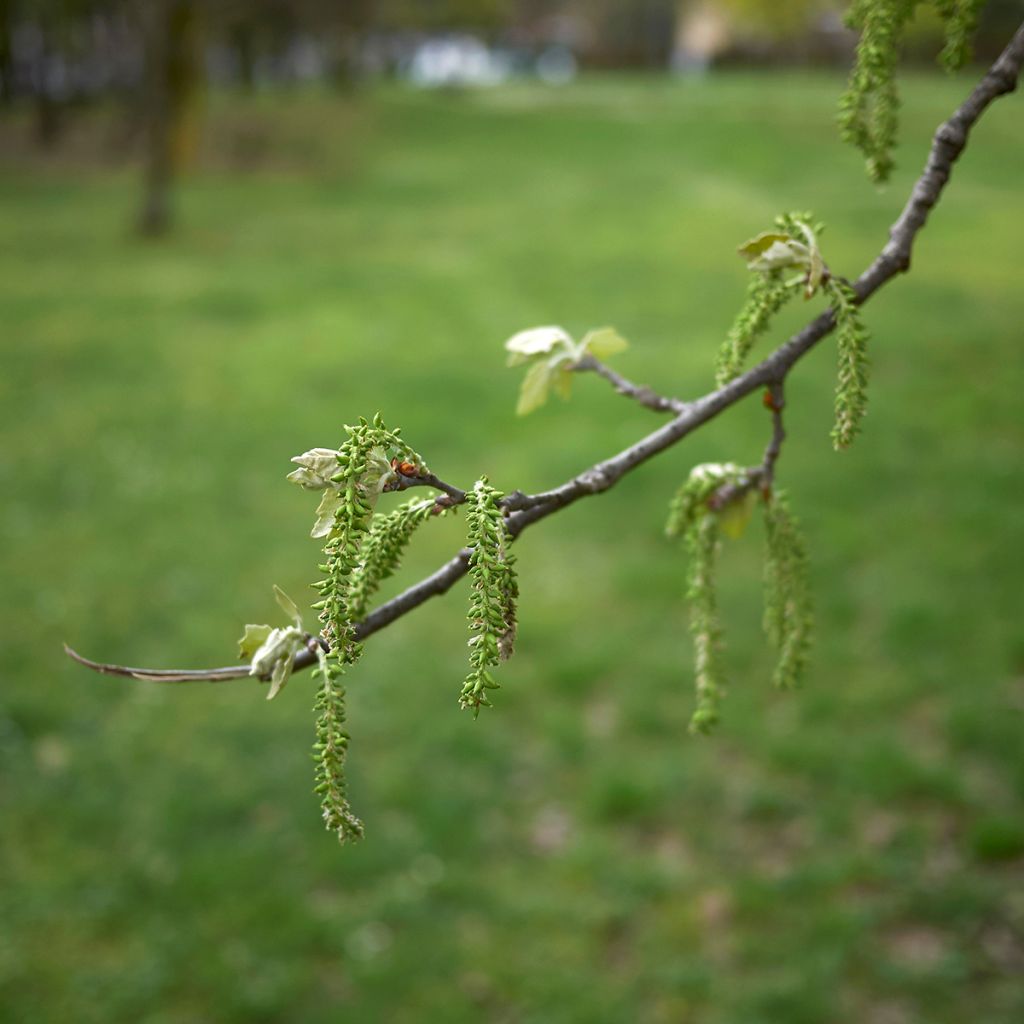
(243, 39)
(347, 29)
(173, 83)
(6, 54)
(46, 103)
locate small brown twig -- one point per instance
(640, 393)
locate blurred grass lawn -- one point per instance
(851, 852)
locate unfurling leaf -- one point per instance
(533, 392)
(288, 606)
(252, 640)
(316, 467)
(603, 342)
(552, 354)
(561, 381)
(325, 513)
(735, 516)
(536, 341)
(689, 502)
(815, 272)
(276, 657)
(773, 250)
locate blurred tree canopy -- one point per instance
(156, 58)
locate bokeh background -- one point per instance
(228, 229)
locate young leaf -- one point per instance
(734, 517)
(754, 248)
(536, 341)
(316, 467)
(288, 606)
(326, 511)
(279, 676)
(603, 342)
(533, 392)
(773, 250)
(276, 657)
(252, 640)
(561, 381)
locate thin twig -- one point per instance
(775, 401)
(525, 510)
(404, 482)
(170, 675)
(640, 393)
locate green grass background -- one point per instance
(850, 852)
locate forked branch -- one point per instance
(524, 510)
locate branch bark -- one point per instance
(948, 143)
(644, 395)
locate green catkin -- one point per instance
(382, 550)
(493, 593)
(772, 285)
(689, 501)
(869, 107)
(702, 541)
(329, 752)
(788, 618)
(766, 295)
(961, 19)
(342, 550)
(691, 517)
(852, 376)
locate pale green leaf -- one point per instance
(316, 467)
(716, 472)
(537, 341)
(288, 606)
(815, 271)
(534, 390)
(328, 507)
(282, 672)
(781, 255)
(759, 244)
(604, 342)
(252, 640)
(733, 519)
(561, 381)
(378, 474)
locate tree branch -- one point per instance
(639, 393)
(524, 510)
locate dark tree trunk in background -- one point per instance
(243, 39)
(48, 119)
(346, 29)
(173, 79)
(6, 55)
(46, 102)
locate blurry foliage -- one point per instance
(777, 18)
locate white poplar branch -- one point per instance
(948, 143)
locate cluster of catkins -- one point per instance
(868, 109)
(699, 514)
(362, 548)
